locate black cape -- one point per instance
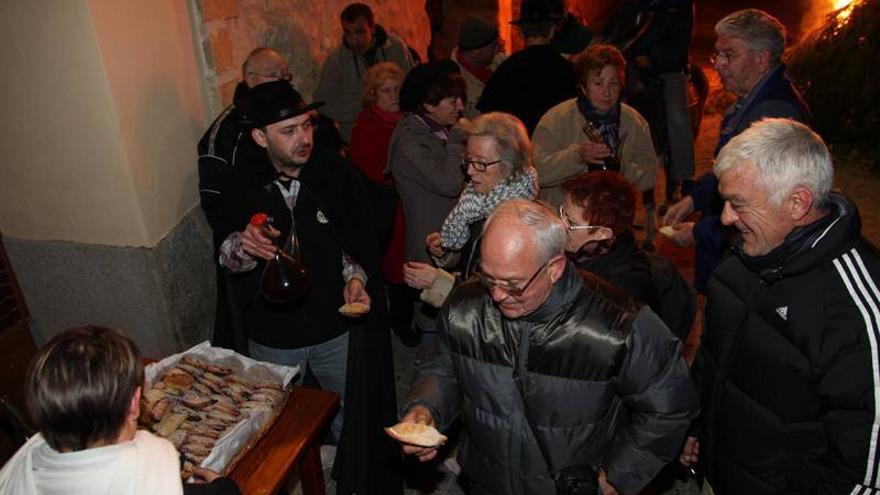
(367, 460)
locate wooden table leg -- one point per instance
(310, 471)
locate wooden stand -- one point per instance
(293, 443)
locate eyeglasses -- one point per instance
(511, 290)
(724, 57)
(477, 164)
(572, 227)
(287, 76)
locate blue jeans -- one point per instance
(327, 361)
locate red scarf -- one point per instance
(481, 73)
(388, 118)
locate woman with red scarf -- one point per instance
(370, 139)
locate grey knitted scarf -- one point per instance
(473, 206)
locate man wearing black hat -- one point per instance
(227, 141)
(317, 203)
(226, 145)
(478, 55)
(536, 78)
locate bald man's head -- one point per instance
(521, 256)
(264, 64)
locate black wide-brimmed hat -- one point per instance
(532, 11)
(272, 102)
(573, 37)
(420, 79)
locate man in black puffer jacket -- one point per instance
(788, 363)
(603, 377)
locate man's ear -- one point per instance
(763, 57)
(604, 233)
(557, 267)
(260, 137)
(800, 203)
(429, 108)
(134, 408)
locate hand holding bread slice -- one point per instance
(416, 434)
(354, 309)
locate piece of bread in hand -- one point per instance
(416, 434)
(354, 309)
(667, 230)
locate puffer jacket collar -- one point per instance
(563, 293)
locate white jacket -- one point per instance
(146, 465)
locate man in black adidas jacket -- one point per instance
(788, 363)
(604, 379)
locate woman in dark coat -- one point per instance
(424, 156)
(598, 210)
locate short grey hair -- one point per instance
(786, 153)
(510, 137)
(760, 31)
(542, 220)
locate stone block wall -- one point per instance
(162, 297)
(305, 31)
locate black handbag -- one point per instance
(580, 479)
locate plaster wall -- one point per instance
(148, 55)
(98, 195)
(161, 297)
(105, 111)
(63, 170)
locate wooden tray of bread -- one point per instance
(213, 404)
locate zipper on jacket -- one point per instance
(519, 368)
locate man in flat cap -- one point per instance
(478, 55)
(317, 204)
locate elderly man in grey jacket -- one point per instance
(601, 380)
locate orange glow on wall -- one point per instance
(505, 15)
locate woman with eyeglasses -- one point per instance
(596, 132)
(597, 211)
(499, 167)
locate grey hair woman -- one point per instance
(498, 162)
